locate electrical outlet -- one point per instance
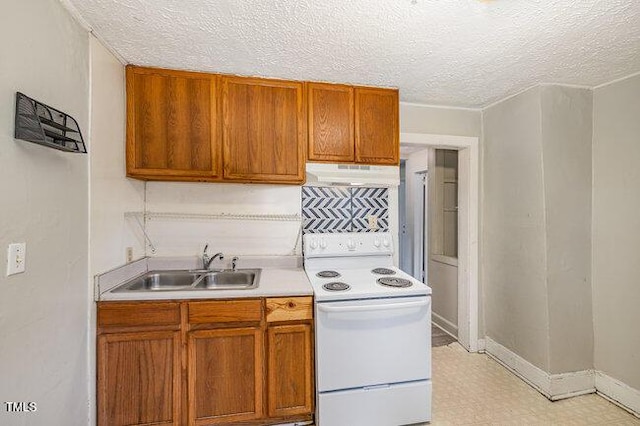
(373, 222)
(129, 254)
(16, 258)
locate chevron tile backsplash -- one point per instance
(344, 209)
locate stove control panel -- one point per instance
(347, 244)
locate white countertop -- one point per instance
(280, 276)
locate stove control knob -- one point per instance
(385, 242)
(323, 244)
(376, 242)
(313, 244)
(351, 245)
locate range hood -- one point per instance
(320, 174)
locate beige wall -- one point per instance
(112, 193)
(513, 245)
(616, 230)
(566, 140)
(44, 311)
(537, 227)
(415, 118)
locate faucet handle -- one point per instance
(234, 260)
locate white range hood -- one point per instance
(321, 174)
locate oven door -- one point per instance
(372, 342)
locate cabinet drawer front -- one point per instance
(132, 314)
(225, 311)
(289, 309)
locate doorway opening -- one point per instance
(440, 227)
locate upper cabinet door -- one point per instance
(172, 125)
(377, 126)
(331, 130)
(264, 130)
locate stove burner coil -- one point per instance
(383, 271)
(336, 286)
(394, 282)
(327, 274)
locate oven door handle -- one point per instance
(385, 307)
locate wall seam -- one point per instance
(545, 243)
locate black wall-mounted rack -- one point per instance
(41, 124)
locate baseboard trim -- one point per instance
(618, 393)
(552, 386)
(447, 326)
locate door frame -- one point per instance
(468, 226)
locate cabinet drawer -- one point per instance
(289, 309)
(132, 314)
(225, 311)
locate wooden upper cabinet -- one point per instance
(264, 130)
(172, 129)
(377, 126)
(331, 129)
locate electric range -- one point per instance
(373, 332)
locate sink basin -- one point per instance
(184, 280)
(161, 281)
(230, 280)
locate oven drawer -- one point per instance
(372, 342)
(404, 404)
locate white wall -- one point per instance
(44, 312)
(112, 193)
(616, 229)
(235, 237)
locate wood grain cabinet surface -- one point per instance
(192, 126)
(225, 375)
(172, 125)
(264, 130)
(331, 122)
(139, 376)
(353, 124)
(209, 362)
(290, 367)
(377, 126)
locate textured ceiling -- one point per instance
(449, 52)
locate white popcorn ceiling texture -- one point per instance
(449, 52)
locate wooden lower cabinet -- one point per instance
(225, 375)
(139, 378)
(290, 367)
(212, 362)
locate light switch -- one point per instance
(16, 258)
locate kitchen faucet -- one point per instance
(206, 260)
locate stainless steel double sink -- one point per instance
(193, 280)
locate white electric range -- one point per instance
(373, 332)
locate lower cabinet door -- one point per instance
(139, 378)
(290, 365)
(226, 367)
